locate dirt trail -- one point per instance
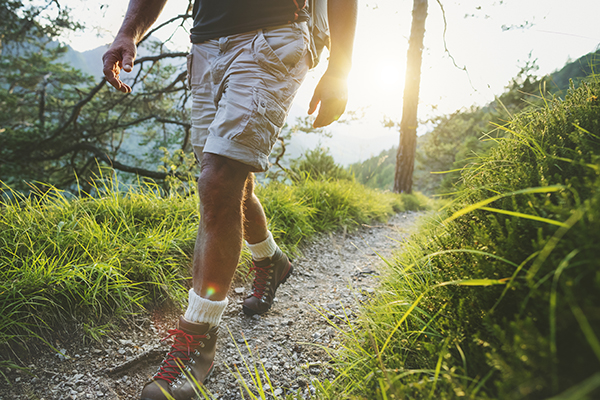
(336, 272)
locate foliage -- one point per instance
(56, 123)
(317, 164)
(112, 252)
(29, 22)
(377, 172)
(65, 259)
(497, 297)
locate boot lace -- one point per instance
(261, 279)
(181, 349)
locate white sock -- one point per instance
(264, 249)
(202, 311)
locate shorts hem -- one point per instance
(236, 151)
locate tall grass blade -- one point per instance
(526, 216)
(583, 322)
(581, 391)
(473, 207)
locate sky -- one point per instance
(489, 41)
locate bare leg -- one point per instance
(255, 221)
(219, 243)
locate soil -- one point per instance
(293, 341)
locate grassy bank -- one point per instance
(499, 297)
(67, 261)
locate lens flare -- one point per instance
(210, 291)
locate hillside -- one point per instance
(577, 70)
(497, 297)
(457, 138)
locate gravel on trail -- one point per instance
(335, 273)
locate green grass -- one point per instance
(92, 260)
(499, 295)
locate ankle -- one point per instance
(201, 310)
(264, 249)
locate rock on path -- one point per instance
(336, 272)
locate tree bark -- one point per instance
(405, 158)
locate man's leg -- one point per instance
(216, 256)
(271, 266)
(255, 221)
(219, 243)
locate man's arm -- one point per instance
(140, 16)
(332, 90)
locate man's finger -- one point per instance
(331, 110)
(314, 102)
(128, 61)
(117, 58)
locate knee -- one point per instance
(221, 183)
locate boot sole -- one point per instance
(250, 312)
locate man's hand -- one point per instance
(332, 90)
(332, 94)
(120, 55)
(140, 16)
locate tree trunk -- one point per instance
(405, 158)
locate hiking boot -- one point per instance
(270, 273)
(187, 365)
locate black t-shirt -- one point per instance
(217, 18)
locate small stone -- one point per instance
(239, 290)
(278, 391)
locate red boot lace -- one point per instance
(183, 344)
(260, 279)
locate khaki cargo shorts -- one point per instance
(242, 89)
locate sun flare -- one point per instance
(378, 85)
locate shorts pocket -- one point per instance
(265, 122)
(279, 49)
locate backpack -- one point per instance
(319, 29)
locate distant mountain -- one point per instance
(576, 70)
(88, 62)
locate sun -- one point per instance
(378, 85)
